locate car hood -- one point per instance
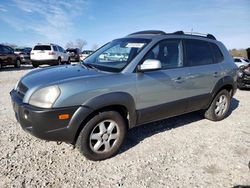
(56, 75)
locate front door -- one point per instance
(162, 93)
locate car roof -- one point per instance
(156, 34)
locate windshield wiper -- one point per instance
(89, 66)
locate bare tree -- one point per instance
(69, 45)
(238, 53)
(95, 47)
(80, 43)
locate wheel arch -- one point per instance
(227, 83)
(121, 102)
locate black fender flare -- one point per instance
(99, 102)
(227, 80)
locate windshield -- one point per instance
(116, 55)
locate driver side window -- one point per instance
(168, 52)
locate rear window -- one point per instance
(72, 50)
(86, 52)
(42, 47)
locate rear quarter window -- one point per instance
(42, 47)
(218, 56)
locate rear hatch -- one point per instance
(42, 52)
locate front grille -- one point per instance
(21, 90)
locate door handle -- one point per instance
(216, 74)
(178, 79)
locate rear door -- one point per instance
(3, 56)
(204, 72)
(162, 93)
(9, 56)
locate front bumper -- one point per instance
(244, 82)
(44, 123)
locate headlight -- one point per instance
(45, 97)
(240, 74)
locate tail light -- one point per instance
(52, 53)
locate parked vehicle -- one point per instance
(248, 53)
(85, 54)
(8, 57)
(93, 104)
(74, 54)
(116, 57)
(50, 54)
(23, 53)
(240, 61)
(244, 77)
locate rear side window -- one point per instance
(198, 53)
(42, 47)
(61, 49)
(55, 48)
(218, 57)
(237, 60)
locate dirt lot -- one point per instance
(186, 151)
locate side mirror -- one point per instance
(150, 65)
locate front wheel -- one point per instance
(59, 61)
(102, 136)
(219, 107)
(18, 63)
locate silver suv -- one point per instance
(92, 105)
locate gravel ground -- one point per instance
(186, 151)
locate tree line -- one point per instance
(79, 43)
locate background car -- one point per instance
(243, 78)
(240, 61)
(74, 54)
(85, 54)
(50, 54)
(8, 57)
(116, 57)
(23, 53)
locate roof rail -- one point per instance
(159, 32)
(207, 35)
(148, 32)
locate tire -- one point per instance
(105, 129)
(34, 65)
(59, 61)
(219, 107)
(68, 62)
(18, 63)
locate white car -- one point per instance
(50, 54)
(240, 61)
(85, 54)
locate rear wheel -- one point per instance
(18, 63)
(219, 107)
(34, 65)
(102, 136)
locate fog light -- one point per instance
(26, 114)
